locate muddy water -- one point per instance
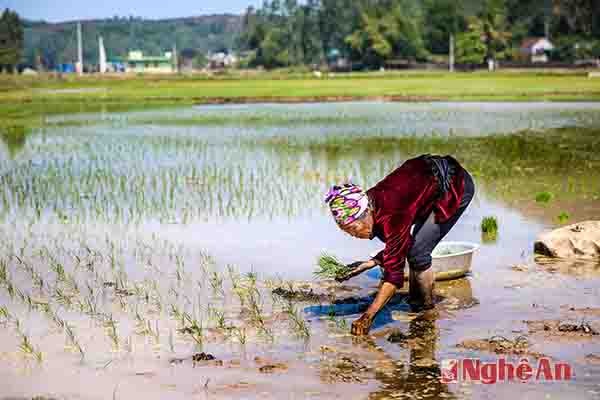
(152, 194)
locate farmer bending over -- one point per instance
(410, 210)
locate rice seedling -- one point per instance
(4, 314)
(17, 323)
(111, 332)
(28, 268)
(179, 276)
(234, 276)
(29, 302)
(156, 303)
(10, 289)
(113, 262)
(193, 328)
(171, 341)
(218, 317)
(256, 316)
(180, 268)
(241, 335)
(563, 217)
(141, 327)
(128, 345)
(331, 314)
(298, 324)
(141, 292)
(155, 333)
(90, 306)
(216, 283)
(342, 324)
(3, 272)
(38, 281)
(176, 313)
(543, 197)
(122, 302)
(59, 270)
(62, 297)
(489, 225)
(72, 339)
(54, 317)
(21, 295)
(329, 267)
(251, 276)
(121, 280)
(28, 349)
(71, 283)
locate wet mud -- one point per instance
(563, 329)
(519, 346)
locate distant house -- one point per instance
(535, 50)
(221, 60)
(336, 61)
(138, 63)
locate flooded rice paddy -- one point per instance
(130, 243)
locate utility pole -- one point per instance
(175, 59)
(451, 46)
(79, 50)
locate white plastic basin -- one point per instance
(452, 260)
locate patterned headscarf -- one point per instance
(347, 202)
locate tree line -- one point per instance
(45, 45)
(371, 33)
(286, 33)
(11, 40)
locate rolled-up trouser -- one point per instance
(427, 234)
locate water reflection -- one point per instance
(420, 377)
(353, 118)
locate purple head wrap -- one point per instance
(347, 203)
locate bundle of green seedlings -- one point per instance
(329, 267)
(489, 229)
(489, 225)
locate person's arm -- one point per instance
(357, 268)
(362, 325)
(396, 246)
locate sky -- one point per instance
(67, 10)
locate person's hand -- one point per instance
(356, 268)
(361, 326)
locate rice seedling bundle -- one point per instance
(329, 267)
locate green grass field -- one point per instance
(26, 100)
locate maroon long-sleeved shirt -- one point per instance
(409, 192)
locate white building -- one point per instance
(137, 62)
(222, 60)
(534, 49)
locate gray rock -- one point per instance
(581, 240)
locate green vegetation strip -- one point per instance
(27, 101)
(516, 166)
